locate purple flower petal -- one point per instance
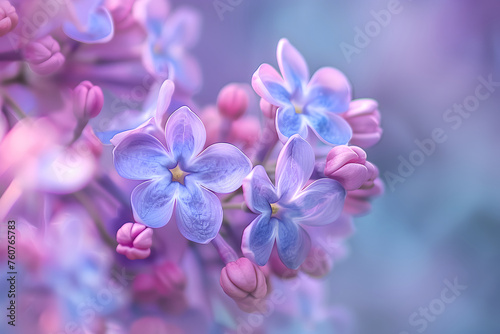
(293, 244)
(258, 239)
(140, 156)
(320, 203)
(153, 201)
(332, 129)
(294, 167)
(164, 99)
(90, 24)
(220, 168)
(328, 90)
(289, 123)
(258, 190)
(292, 65)
(267, 82)
(185, 135)
(198, 213)
(182, 28)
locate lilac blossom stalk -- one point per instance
(282, 209)
(178, 177)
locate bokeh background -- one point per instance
(442, 222)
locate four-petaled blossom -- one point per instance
(283, 208)
(170, 37)
(179, 177)
(304, 103)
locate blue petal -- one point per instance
(220, 168)
(259, 192)
(267, 82)
(258, 239)
(289, 123)
(293, 244)
(294, 167)
(185, 135)
(319, 204)
(153, 201)
(91, 25)
(140, 156)
(329, 90)
(293, 67)
(329, 127)
(198, 213)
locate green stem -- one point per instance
(87, 204)
(15, 107)
(234, 206)
(232, 195)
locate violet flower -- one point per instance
(282, 209)
(179, 177)
(170, 36)
(302, 102)
(89, 21)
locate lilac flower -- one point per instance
(90, 21)
(170, 36)
(305, 103)
(283, 208)
(178, 177)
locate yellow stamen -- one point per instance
(178, 174)
(274, 208)
(298, 110)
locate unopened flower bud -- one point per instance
(144, 288)
(170, 278)
(153, 325)
(268, 109)
(357, 202)
(134, 241)
(347, 165)
(317, 263)
(364, 118)
(43, 55)
(87, 100)
(8, 17)
(244, 282)
(232, 101)
(245, 132)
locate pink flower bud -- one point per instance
(212, 120)
(153, 325)
(268, 109)
(364, 118)
(43, 55)
(134, 241)
(244, 282)
(144, 288)
(317, 263)
(8, 17)
(169, 278)
(357, 202)
(87, 100)
(245, 132)
(348, 165)
(232, 101)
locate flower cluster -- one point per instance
(106, 158)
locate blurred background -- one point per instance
(440, 223)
